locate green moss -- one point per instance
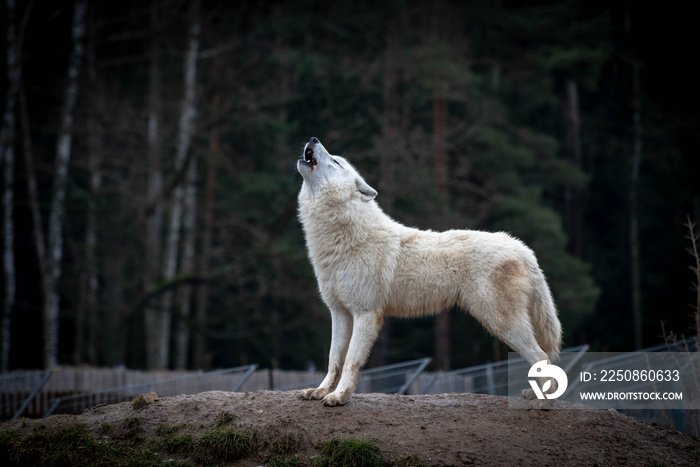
(349, 453)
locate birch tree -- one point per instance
(159, 338)
(63, 155)
(86, 319)
(187, 265)
(154, 219)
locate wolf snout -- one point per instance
(313, 140)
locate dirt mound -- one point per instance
(449, 429)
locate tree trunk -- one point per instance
(63, 154)
(7, 158)
(87, 324)
(572, 196)
(187, 266)
(285, 77)
(442, 321)
(387, 158)
(32, 194)
(185, 131)
(199, 338)
(94, 164)
(390, 118)
(154, 219)
(116, 315)
(633, 214)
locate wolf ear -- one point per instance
(367, 192)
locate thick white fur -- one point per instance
(368, 266)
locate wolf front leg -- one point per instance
(364, 332)
(341, 329)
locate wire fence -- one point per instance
(389, 379)
(19, 390)
(72, 390)
(490, 378)
(687, 421)
(230, 379)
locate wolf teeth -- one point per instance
(309, 156)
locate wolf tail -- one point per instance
(543, 316)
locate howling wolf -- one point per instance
(369, 266)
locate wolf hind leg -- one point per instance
(341, 330)
(514, 328)
(526, 345)
(521, 338)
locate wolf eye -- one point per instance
(337, 163)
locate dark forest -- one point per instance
(148, 155)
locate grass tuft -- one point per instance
(177, 444)
(349, 453)
(75, 446)
(165, 429)
(68, 446)
(131, 429)
(285, 444)
(223, 445)
(105, 428)
(225, 419)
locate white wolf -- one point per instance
(368, 266)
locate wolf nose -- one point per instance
(313, 140)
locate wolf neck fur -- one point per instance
(349, 223)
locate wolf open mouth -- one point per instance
(309, 157)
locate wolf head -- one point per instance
(325, 174)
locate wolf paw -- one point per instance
(528, 394)
(336, 398)
(313, 393)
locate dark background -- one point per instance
(456, 112)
